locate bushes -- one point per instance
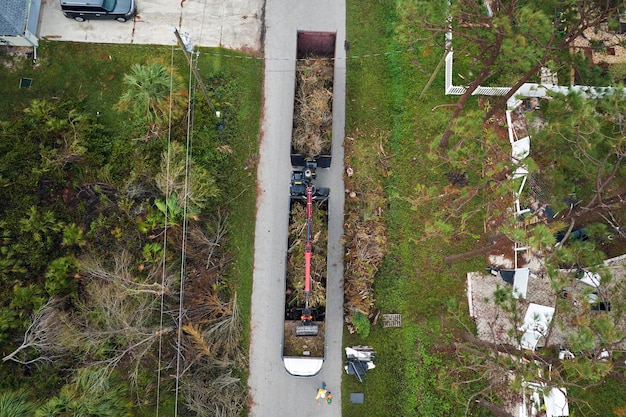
(361, 324)
(76, 187)
(617, 72)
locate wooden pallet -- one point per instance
(392, 320)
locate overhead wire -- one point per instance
(188, 154)
(262, 58)
(202, 22)
(166, 214)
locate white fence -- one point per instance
(525, 91)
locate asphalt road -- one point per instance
(275, 393)
(233, 24)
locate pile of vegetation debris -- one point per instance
(295, 255)
(365, 234)
(313, 116)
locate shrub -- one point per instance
(361, 323)
(617, 72)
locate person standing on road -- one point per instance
(321, 393)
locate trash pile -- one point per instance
(360, 359)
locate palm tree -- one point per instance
(148, 94)
(172, 179)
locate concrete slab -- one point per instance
(233, 24)
(357, 397)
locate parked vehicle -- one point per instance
(81, 10)
(304, 337)
(304, 329)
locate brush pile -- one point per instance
(313, 115)
(295, 255)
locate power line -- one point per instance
(188, 154)
(262, 58)
(347, 57)
(202, 22)
(164, 257)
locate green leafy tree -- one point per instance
(8, 322)
(73, 236)
(26, 299)
(582, 146)
(60, 277)
(508, 41)
(41, 226)
(10, 261)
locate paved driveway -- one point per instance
(233, 24)
(275, 393)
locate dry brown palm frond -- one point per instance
(200, 347)
(224, 335)
(214, 393)
(203, 302)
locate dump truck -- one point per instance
(304, 335)
(306, 275)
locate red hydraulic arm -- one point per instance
(308, 248)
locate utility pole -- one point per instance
(187, 53)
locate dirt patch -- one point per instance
(11, 56)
